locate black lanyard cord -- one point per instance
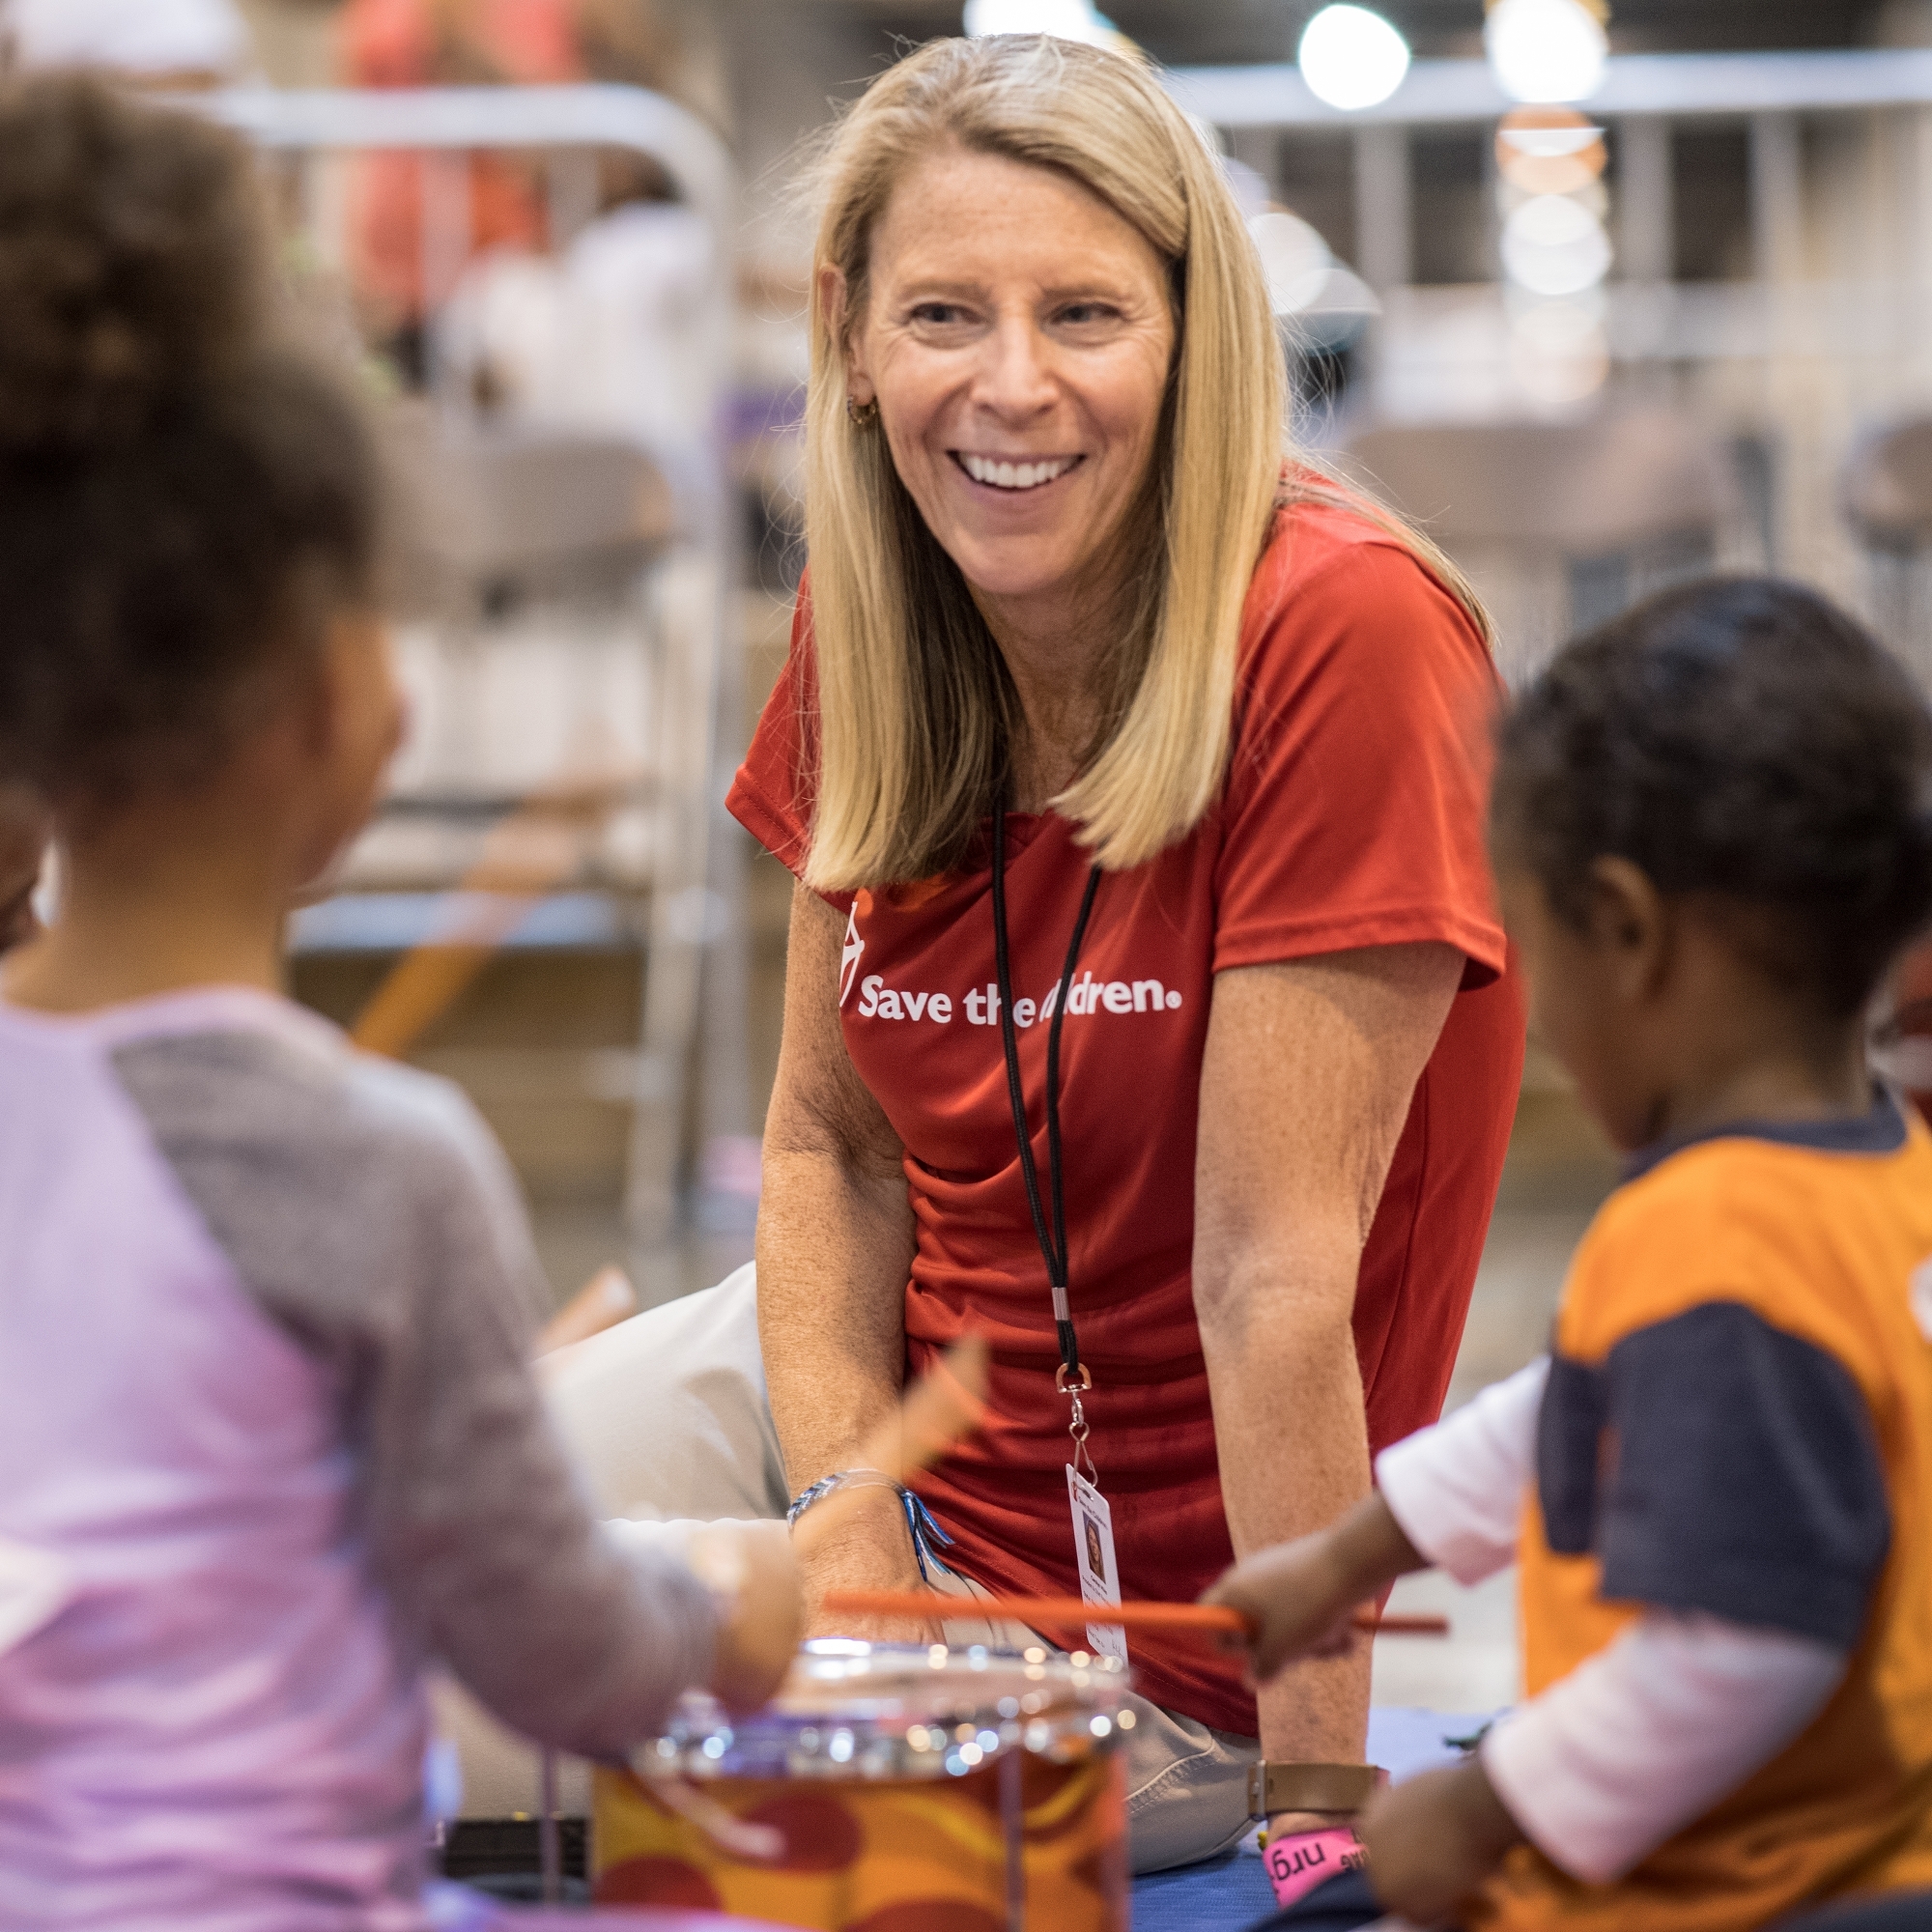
(1052, 1240)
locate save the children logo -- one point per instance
(855, 951)
(982, 1004)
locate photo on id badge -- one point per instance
(1093, 1555)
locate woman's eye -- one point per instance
(1078, 315)
(938, 315)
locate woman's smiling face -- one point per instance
(1017, 338)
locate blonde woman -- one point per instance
(1090, 691)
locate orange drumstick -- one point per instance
(1208, 1618)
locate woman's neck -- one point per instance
(1060, 661)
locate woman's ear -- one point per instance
(1630, 924)
(833, 296)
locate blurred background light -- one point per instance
(1546, 49)
(1064, 20)
(1550, 151)
(1296, 260)
(1555, 246)
(1352, 58)
(1558, 352)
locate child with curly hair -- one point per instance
(268, 1440)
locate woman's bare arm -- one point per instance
(835, 1246)
(1306, 1083)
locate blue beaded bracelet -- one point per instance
(920, 1525)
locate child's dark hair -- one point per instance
(185, 497)
(1744, 740)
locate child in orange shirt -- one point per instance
(1712, 832)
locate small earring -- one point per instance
(861, 415)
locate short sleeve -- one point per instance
(774, 793)
(1356, 794)
(1743, 1477)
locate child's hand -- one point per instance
(1301, 1597)
(1298, 1600)
(750, 1566)
(1434, 1840)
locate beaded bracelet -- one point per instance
(920, 1523)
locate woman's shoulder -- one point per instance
(776, 788)
(1338, 577)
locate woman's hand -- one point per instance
(750, 1565)
(869, 1550)
(1434, 1840)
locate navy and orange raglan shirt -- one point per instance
(1738, 1422)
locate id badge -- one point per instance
(1093, 1556)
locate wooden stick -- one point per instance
(606, 1299)
(526, 858)
(1073, 1612)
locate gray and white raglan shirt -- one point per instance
(268, 1446)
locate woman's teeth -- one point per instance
(1015, 475)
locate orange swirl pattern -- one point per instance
(912, 1855)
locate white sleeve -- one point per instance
(1650, 1733)
(1457, 1488)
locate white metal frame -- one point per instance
(1674, 86)
(695, 903)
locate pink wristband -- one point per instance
(1301, 1861)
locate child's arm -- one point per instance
(1450, 1496)
(366, 1209)
(1457, 1488)
(1607, 1763)
(569, 1631)
(1650, 1733)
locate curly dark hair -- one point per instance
(1744, 740)
(184, 497)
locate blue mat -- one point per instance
(1226, 1894)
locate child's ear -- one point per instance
(1629, 924)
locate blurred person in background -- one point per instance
(480, 43)
(167, 45)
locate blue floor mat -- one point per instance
(1226, 1893)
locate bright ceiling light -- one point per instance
(1352, 58)
(1546, 49)
(1554, 246)
(1064, 19)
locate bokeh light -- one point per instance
(1352, 58)
(1550, 151)
(1546, 49)
(1064, 19)
(1294, 258)
(1554, 246)
(1558, 352)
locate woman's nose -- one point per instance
(1015, 379)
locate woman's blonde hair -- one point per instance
(917, 713)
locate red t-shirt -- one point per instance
(1352, 816)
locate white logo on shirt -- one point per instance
(855, 951)
(982, 1004)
